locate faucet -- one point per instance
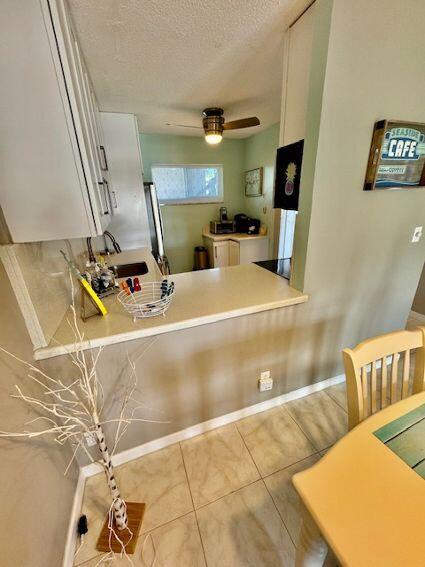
(115, 245)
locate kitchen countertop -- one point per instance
(202, 297)
(236, 236)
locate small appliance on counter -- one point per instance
(222, 227)
(247, 225)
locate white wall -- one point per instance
(300, 42)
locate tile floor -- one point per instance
(224, 498)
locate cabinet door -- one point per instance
(221, 254)
(43, 192)
(233, 253)
(97, 179)
(254, 250)
(78, 87)
(130, 223)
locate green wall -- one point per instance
(183, 224)
(260, 151)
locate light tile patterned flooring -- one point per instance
(224, 498)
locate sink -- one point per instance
(130, 270)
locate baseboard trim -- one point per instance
(188, 433)
(419, 317)
(71, 538)
(198, 429)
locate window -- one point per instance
(180, 184)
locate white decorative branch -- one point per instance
(75, 410)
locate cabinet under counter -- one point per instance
(235, 248)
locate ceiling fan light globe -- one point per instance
(213, 138)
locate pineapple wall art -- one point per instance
(287, 177)
(291, 172)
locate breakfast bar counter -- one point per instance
(200, 298)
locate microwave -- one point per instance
(222, 227)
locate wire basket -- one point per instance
(154, 298)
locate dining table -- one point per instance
(363, 500)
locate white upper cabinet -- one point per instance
(54, 181)
(130, 224)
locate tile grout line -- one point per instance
(279, 514)
(335, 400)
(261, 477)
(271, 495)
(249, 452)
(234, 489)
(317, 453)
(265, 485)
(312, 443)
(200, 537)
(139, 537)
(308, 437)
(165, 523)
(193, 504)
(228, 494)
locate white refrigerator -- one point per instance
(136, 220)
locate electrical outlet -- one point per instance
(417, 234)
(265, 382)
(91, 440)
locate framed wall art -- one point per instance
(288, 175)
(397, 156)
(254, 182)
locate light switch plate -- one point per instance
(417, 234)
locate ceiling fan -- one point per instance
(213, 123)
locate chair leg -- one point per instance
(312, 548)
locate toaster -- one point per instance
(222, 227)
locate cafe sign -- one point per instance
(397, 156)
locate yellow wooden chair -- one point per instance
(372, 372)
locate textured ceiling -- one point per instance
(166, 60)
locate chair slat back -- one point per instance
(373, 362)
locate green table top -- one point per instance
(405, 436)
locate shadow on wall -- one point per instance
(31, 472)
(419, 301)
(213, 370)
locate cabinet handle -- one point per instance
(215, 251)
(104, 204)
(114, 197)
(108, 196)
(104, 167)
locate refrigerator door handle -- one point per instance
(157, 220)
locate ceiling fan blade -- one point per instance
(183, 126)
(242, 123)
